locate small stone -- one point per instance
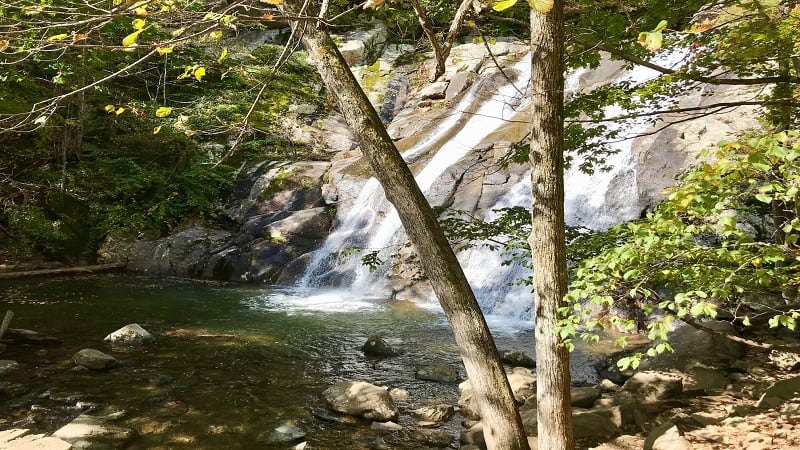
(584, 397)
(399, 394)
(386, 426)
(433, 438)
(94, 359)
(607, 385)
(359, 398)
(8, 366)
(437, 372)
(434, 413)
(286, 433)
(377, 346)
(666, 437)
(517, 358)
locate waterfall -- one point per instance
(596, 201)
(372, 223)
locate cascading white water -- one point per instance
(372, 223)
(606, 198)
(595, 201)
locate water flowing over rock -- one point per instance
(359, 398)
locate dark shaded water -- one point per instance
(231, 362)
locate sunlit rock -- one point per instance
(434, 413)
(651, 386)
(132, 334)
(359, 398)
(91, 431)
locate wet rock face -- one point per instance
(276, 213)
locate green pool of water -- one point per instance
(230, 364)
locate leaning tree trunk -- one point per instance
(501, 422)
(547, 239)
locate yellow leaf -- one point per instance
(503, 5)
(141, 11)
(272, 2)
(222, 55)
(372, 4)
(164, 50)
(138, 24)
(178, 32)
(119, 110)
(3, 45)
(163, 111)
(117, 2)
(156, 129)
(542, 6)
(199, 73)
(58, 37)
(705, 25)
(130, 39)
(215, 34)
(109, 108)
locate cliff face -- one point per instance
(278, 215)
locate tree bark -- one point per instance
(62, 271)
(547, 239)
(501, 423)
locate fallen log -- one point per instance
(62, 271)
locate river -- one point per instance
(231, 362)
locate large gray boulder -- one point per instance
(94, 359)
(131, 334)
(359, 398)
(652, 387)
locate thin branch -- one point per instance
(497, 64)
(667, 71)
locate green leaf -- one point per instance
(163, 111)
(652, 40)
(764, 198)
(542, 6)
(503, 5)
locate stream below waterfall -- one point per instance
(231, 362)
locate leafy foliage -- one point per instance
(723, 243)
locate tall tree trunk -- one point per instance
(502, 425)
(547, 239)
